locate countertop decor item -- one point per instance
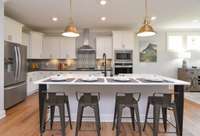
(146, 30)
(71, 30)
(185, 56)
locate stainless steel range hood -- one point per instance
(86, 47)
(86, 55)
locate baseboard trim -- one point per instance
(2, 114)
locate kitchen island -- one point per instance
(108, 88)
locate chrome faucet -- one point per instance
(104, 58)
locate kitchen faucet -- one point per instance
(104, 58)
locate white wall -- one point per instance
(2, 111)
(167, 62)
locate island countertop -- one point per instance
(136, 79)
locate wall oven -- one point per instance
(123, 68)
(123, 62)
(123, 56)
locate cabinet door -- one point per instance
(127, 40)
(68, 48)
(13, 30)
(36, 43)
(104, 45)
(51, 47)
(117, 40)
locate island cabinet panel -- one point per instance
(36, 45)
(123, 40)
(104, 45)
(12, 30)
(68, 48)
(51, 47)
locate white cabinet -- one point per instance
(59, 47)
(36, 45)
(68, 48)
(51, 47)
(25, 39)
(12, 30)
(31, 87)
(104, 45)
(123, 40)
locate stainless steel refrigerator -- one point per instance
(15, 69)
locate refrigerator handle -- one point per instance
(17, 64)
(20, 62)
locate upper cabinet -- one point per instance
(51, 47)
(123, 40)
(36, 45)
(58, 47)
(104, 44)
(68, 48)
(12, 30)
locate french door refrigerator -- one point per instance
(15, 69)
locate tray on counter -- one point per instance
(99, 80)
(149, 81)
(112, 80)
(66, 80)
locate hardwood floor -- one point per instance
(23, 120)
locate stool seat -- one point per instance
(126, 100)
(53, 100)
(162, 101)
(88, 100)
(122, 100)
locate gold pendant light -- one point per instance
(71, 30)
(146, 30)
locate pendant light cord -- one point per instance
(146, 9)
(70, 6)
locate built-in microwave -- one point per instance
(123, 56)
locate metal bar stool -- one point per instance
(165, 102)
(88, 100)
(52, 100)
(52, 108)
(123, 100)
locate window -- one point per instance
(175, 43)
(193, 42)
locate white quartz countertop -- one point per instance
(75, 79)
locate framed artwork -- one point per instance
(147, 51)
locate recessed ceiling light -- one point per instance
(103, 18)
(103, 2)
(153, 18)
(195, 21)
(54, 19)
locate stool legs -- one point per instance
(164, 113)
(81, 117)
(114, 118)
(96, 110)
(69, 113)
(52, 111)
(62, 118)
(177, 123)
(156, 114)
(138, 119)
(146, 116)
(78, 119)
(133, 117)
(119, 115)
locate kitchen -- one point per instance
(103, 45)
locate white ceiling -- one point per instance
(120, 13)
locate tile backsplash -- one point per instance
(60, 64)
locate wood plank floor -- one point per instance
(23, 120)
